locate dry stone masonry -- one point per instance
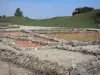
(36, 50)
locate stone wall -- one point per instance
(46, 67)
(32, 63)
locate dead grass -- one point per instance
(78, 36)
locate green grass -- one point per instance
(84, 20)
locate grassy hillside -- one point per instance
(85, 20)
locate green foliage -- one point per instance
(84, 20)
(4, 16)
(82, 10)
(0, 16)
(18, 13)
(27, 17)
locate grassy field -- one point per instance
(86, 36)
(84, 20)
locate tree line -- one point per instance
(85, 10)
(4, 16)
(82, 10)
(79, 10)
(19, 13)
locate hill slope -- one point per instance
(84, 20)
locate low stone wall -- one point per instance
(89, 49)
(63, 30)
(46, 67)
(33, 63)
(91, 67)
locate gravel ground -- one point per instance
(30, 62)
(30, 27)
(11, 69)
(65, 58)
(4, 46)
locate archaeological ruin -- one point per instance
(51, 51)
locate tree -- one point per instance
(4, 16)
(18, 13)
(0, 16)
(82, 10)
(26, 17)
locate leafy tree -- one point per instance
(26, 17)
(82, 10)
(0, 16)
(4, 16)
(18, 13)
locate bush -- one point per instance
(82, 10)
(0, 16)
(4, 16)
